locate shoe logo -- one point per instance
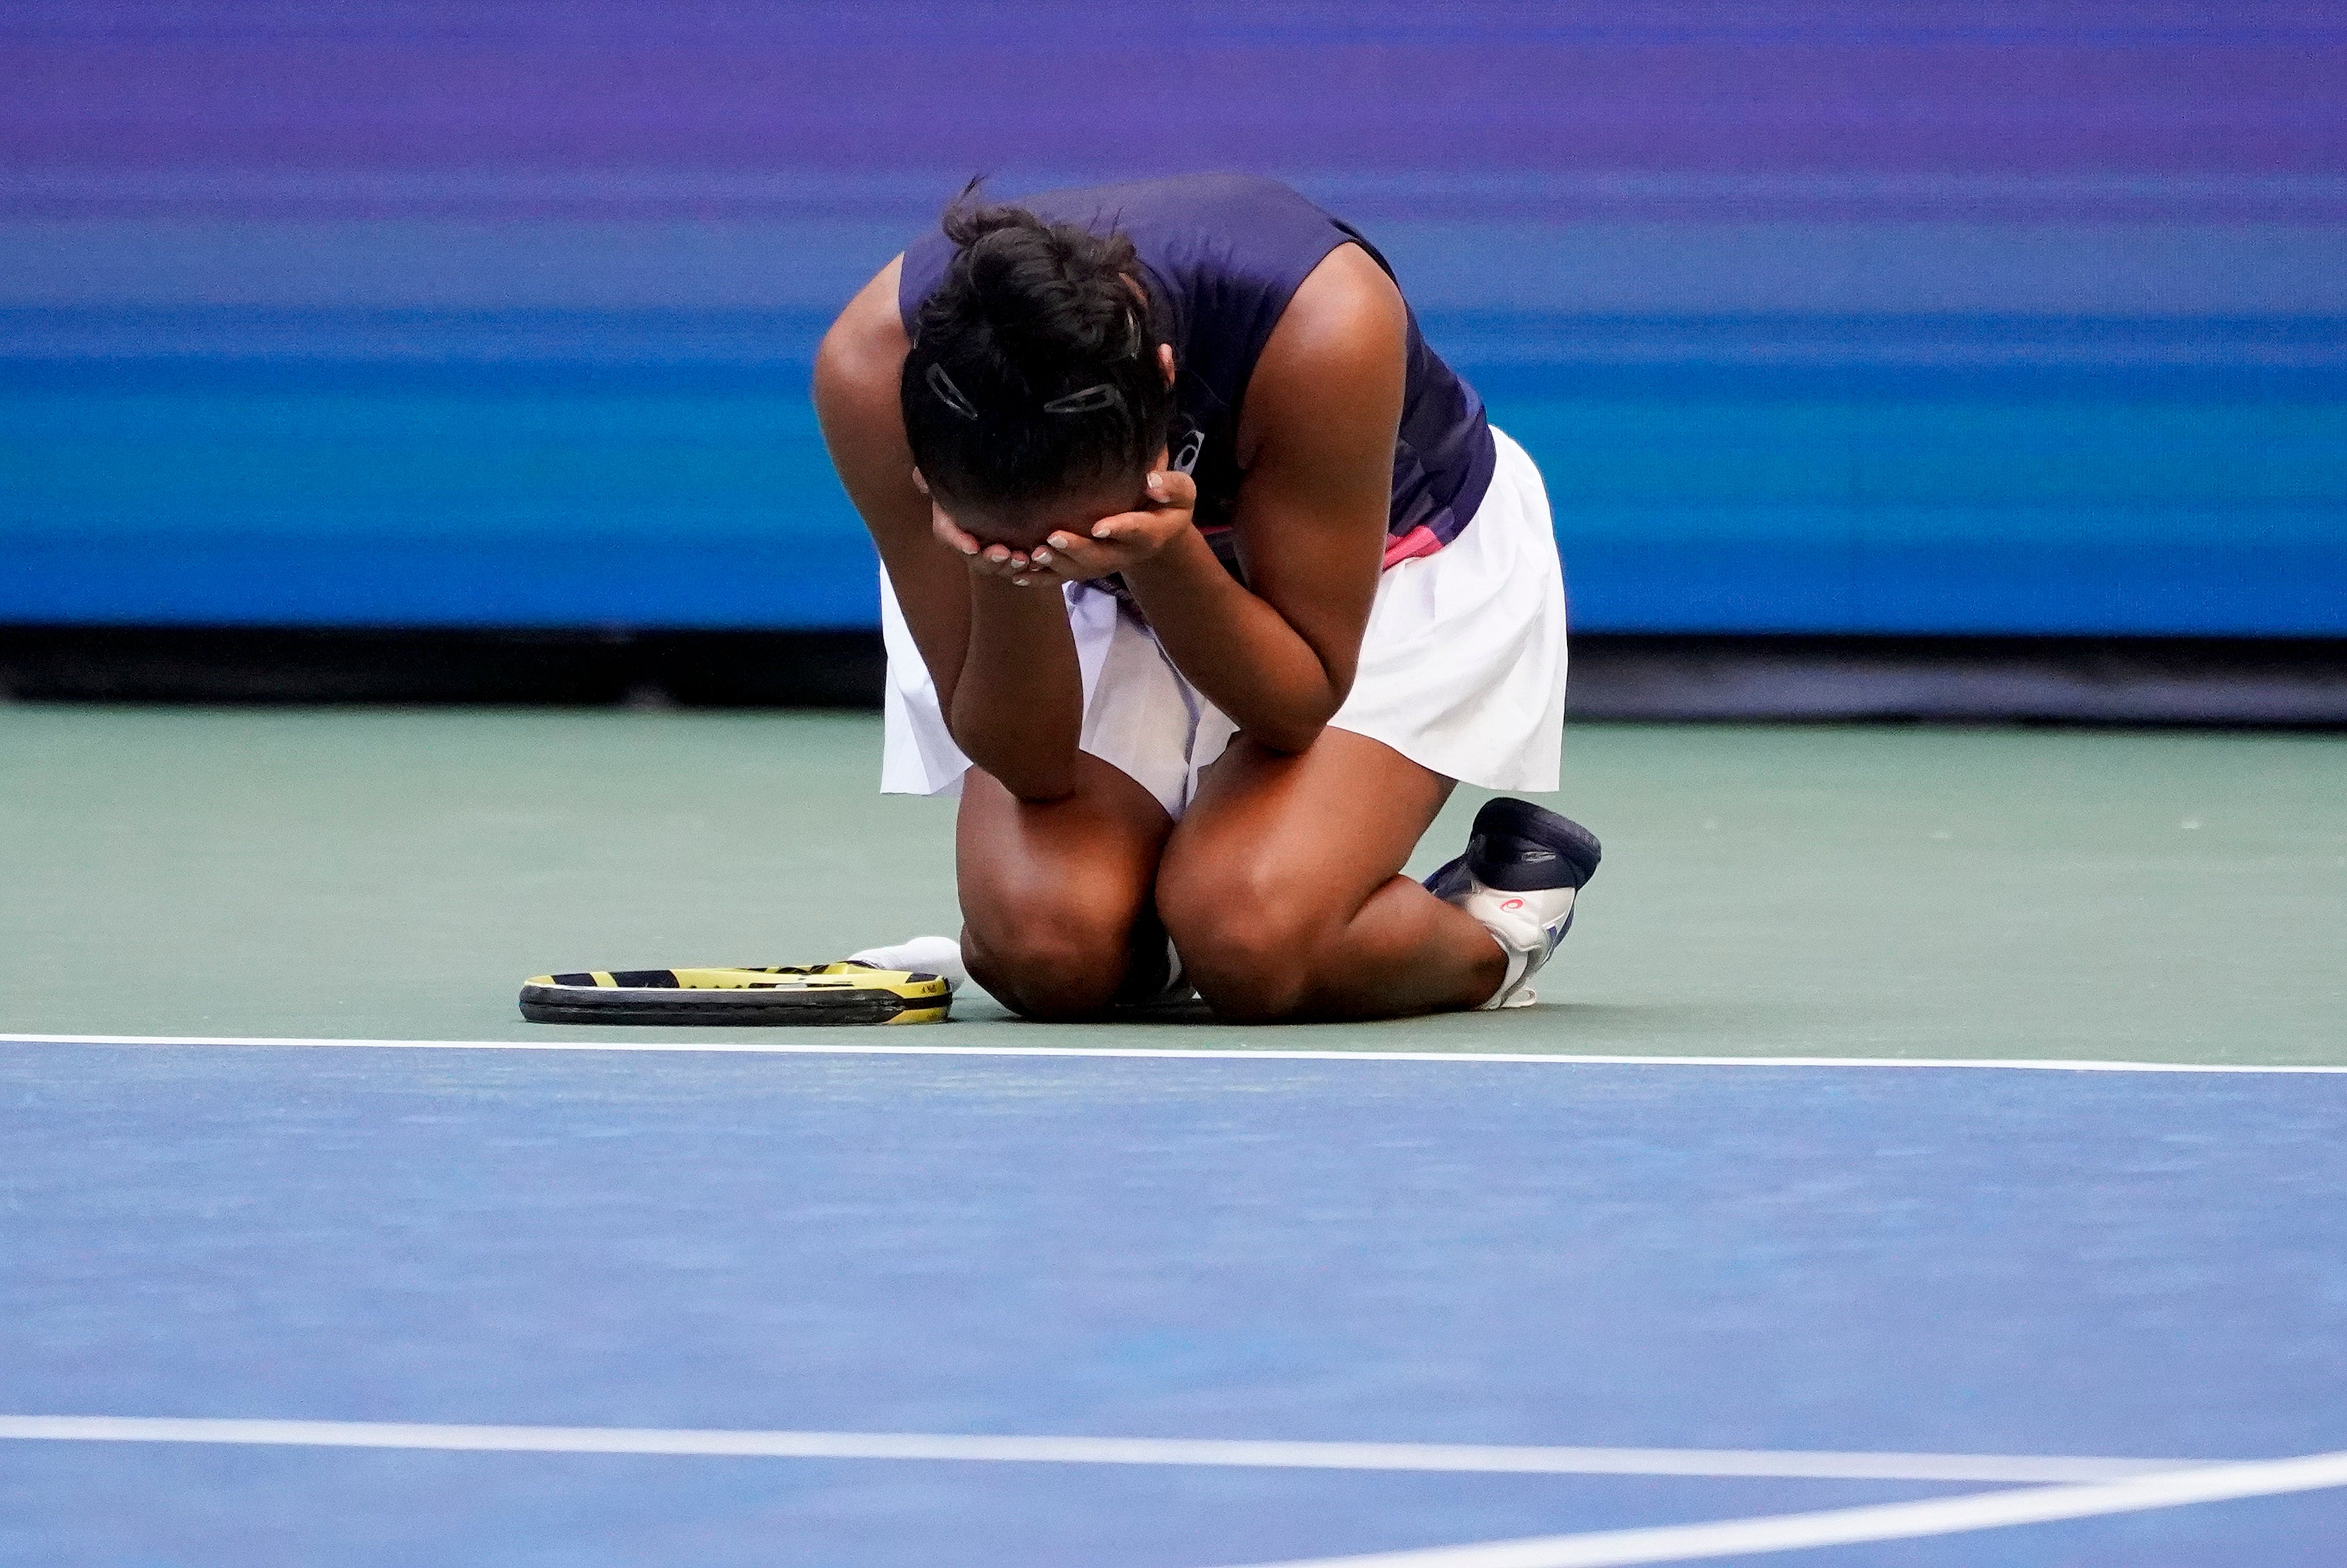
(1513, 904)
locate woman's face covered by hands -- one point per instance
(1088, 534)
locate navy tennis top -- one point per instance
(1224, 254)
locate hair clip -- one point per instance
(948, 392)
(1090, 400)
(1134, 341)
(1185, 461)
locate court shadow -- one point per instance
(1566, 1026)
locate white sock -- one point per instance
(1513, 992)
(1177, 987)
(939, 956)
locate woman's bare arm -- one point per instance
(1003, 657)
(1317, 438)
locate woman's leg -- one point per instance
(1282, 889)
(1056, 897)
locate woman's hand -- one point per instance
(1121, 542)
(1117, 543)
(997, 561)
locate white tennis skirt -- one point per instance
(1461, 669)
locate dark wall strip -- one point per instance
(2298, 682)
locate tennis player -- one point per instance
(1204, 581)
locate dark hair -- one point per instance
(1034, 365)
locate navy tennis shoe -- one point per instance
(1523, 868)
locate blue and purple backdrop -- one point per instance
(1881, 316)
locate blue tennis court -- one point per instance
(1854, 1285)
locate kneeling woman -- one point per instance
(1205, 582)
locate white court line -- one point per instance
(1465, 1458)
(810, 1048)
(1880, 1521)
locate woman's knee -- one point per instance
(1248, 951)
(1050, 962)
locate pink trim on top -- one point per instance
(1420, 541)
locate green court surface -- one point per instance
(1767, 891)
